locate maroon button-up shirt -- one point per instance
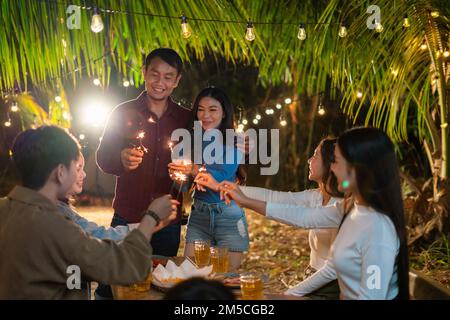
(136, 189)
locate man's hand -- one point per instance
(164, 206)
(131, 158)
(205, 179)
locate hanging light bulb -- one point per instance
(258, 116)
(255, 121)
(279, 106)
(321, 109)
(423, 46)
(14, 107)
(406, 23)
(283, 121)
(342, 31)
(270, 111)
(96, 22)
(250, 33)
(244, 121)
(82, 136)
(126, 83)
(434, 13)
(58, 99)
(288, 100)
(359, 94)
(240, 128)
(96, 82)
(378, 27)
(446, 53)
(8, 123)
(301, 32)
(185, 29)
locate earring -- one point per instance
(345, 184)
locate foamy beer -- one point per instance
(201, 250)
(251, 287)
(143, 286)
(219, 259)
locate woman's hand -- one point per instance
(205, 179)
(181, 168)
(231, 191)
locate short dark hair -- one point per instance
(200, 289)
(168, 55)
(36, 152)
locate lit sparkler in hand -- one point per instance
(141, 147)
(180, 178)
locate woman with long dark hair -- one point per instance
(211, 219)
(369, 255)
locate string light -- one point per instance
(14, 107)
(58, 99)
(96, 22)
(301, 32)
(250, 33)
(342, 31)
(244, 121)
(82, 136)
(378, 27)
(270, 111)
(435, 13)
(359, 94)
(423, 46)
(258, 117)
(240, 128)
(288, 100)
(283, 121)
(279, 106)
(321, 110)
(8, 123)
(406, 23)
(446, 53)
(96, 82)
(255, 121)
(185, 29)
(126, 83)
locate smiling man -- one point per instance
(143, 176)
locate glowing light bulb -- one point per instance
(250, 32)
(258, 117)
(96, 82)
(255, 121)
(58, 99)
(342, 31)
(288, 100)
(434, 13)
(82, 136)
(8, 123)
(126, 83)
(359, 94)
(321, 110)
(244, 121)
(14, 107)
(301, 32)
(96, 22)
(279, 106)
(423, 46)
(378, 27)
(446, 53)
(406, 23)
(185, 29)
(283, 123)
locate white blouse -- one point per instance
(320, 240)
(363, 256)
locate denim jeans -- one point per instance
(165, 242)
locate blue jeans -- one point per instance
(165, 242)
(223, 225)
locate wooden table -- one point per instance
(127, 293)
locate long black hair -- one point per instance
(371, 153)
(227, 121)
(327, 146)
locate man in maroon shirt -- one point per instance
(140, 164)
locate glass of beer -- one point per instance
(201, 250)
(251, 287)
(219, 259)
(143, 286)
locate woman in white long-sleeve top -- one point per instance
(369, 256)
(327, 193)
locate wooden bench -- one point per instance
(422, 287)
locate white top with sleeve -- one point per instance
(320, 240)
(363, 256)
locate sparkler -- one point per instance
(180, 178)
(201, 169)
(141, 147)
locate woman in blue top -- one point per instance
(211, 219)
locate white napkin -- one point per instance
(184, 271)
